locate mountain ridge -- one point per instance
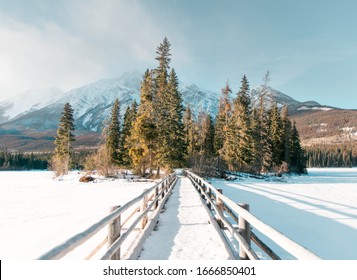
(92, 105)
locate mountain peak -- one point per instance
(283, 99)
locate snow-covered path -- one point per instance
(183, 230)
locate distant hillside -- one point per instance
(327, 127)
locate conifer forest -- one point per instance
(159, 134)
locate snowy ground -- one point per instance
(318, 210)
(38, 213)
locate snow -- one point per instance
(31, 100)
(347, 129)
(183, 230)
(303, 108)
(318, 210)
(38, 213)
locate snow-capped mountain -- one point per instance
(28, 101)
(199, 99)
(33, 121)
(92, 104)
(283, 99)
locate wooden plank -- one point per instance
(264, 247)
(114, 228)
(244, 230)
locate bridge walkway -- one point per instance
(183, 231)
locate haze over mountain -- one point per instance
(25, 120)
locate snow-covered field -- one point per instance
(38, 213)
(318, 210)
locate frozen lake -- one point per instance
(318, 210)
(38, 213)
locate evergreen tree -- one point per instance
(220, 127)
(113, 137)
(129, 118)
(286, 134)
(143, 138)
(188, 128)
(276, 135)
(168, 108)
(297, 157)
(264, 135)
(238, 141)
(207, 136)
(257, 141)
(64, 138)
(175, 129)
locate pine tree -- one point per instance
(238, 142)
(220, 127)
(175, 130)
(64, 138)
(257, 145)
(207, 136)
(113, 137)
(265, 144)
(188, 128)
(143, 138)
(129, 118)
(297, 154)
(168, 105)
(276, 135)
(286, 134)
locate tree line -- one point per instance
(159, 134)
(23, 161)
(332, 155)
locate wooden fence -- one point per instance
(141, 212)
(241, 231)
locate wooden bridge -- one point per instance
(177, 219)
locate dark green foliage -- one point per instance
(113, 134)
(62, 155)
(220, 127)
(332, 155)
(237, 146)
(129, 118)
(276, 135)
(23, 161)
(168, 109)
(188, 132)
(64, 133)
(297, 157)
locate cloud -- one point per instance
(84, 41)
(32, 57)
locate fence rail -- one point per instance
(152, 199)
(221, 204)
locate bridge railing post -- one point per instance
(244, 230)
(156, 195)
(114, 229)
(210, 196)
(219, 204)
(143, 207)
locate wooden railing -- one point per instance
(136, 211)
(241, 231)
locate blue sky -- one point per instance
(310, 47)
